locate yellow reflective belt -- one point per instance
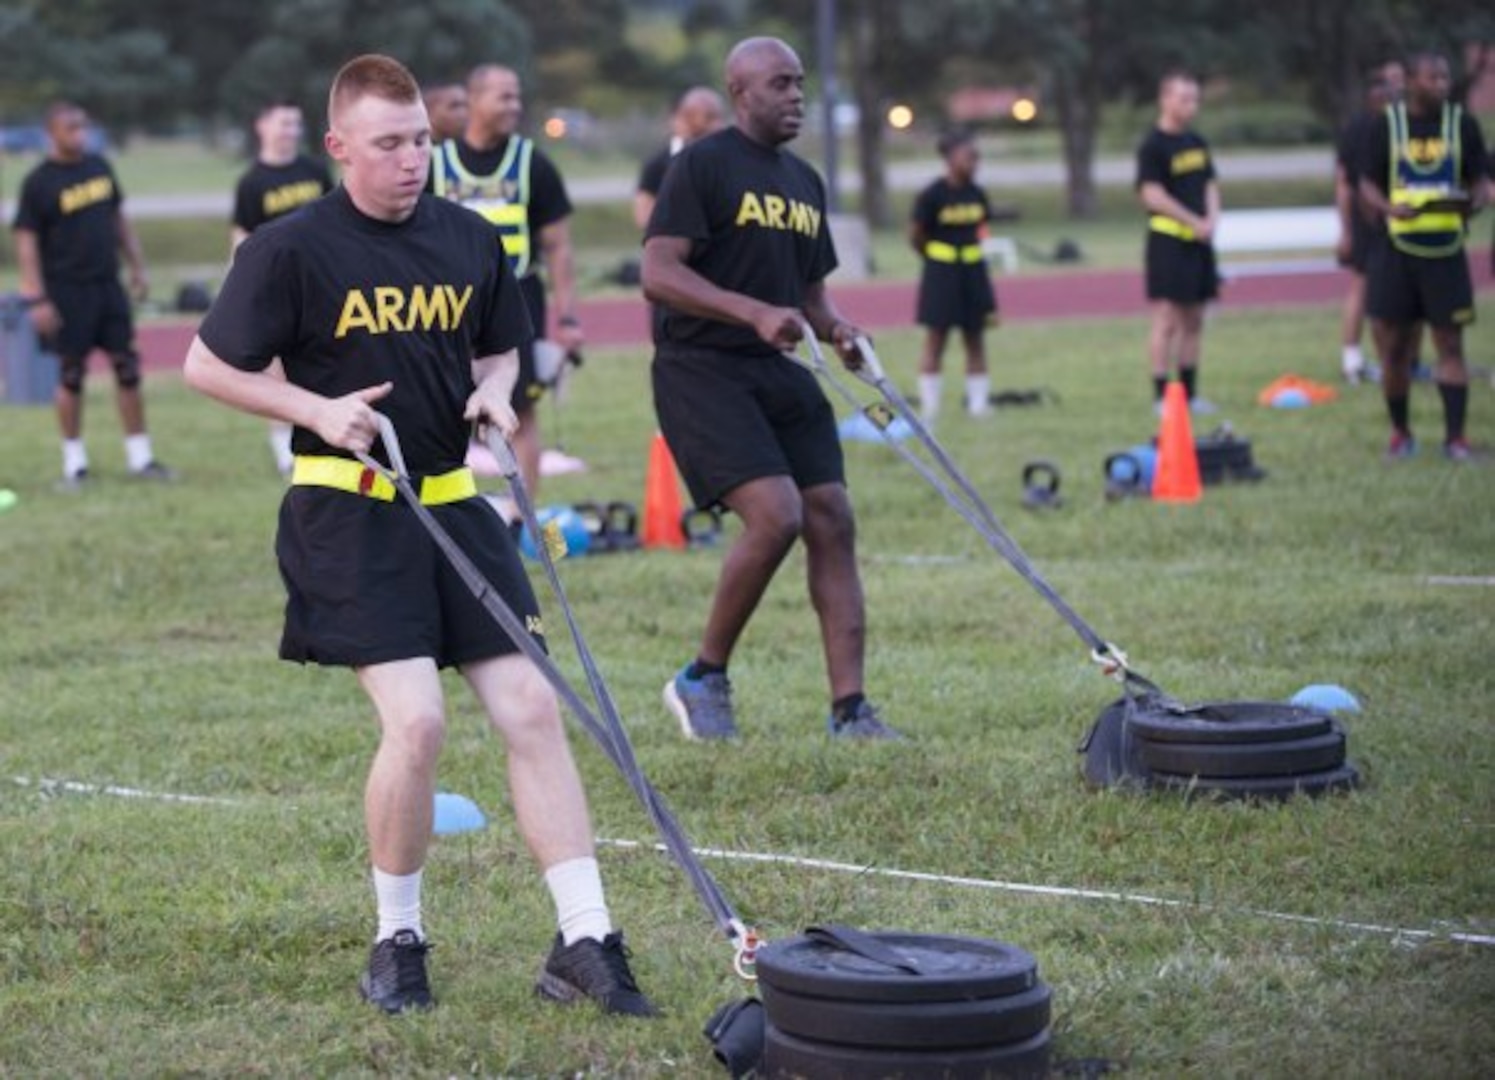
(345, 474)
(941, 252)
(1440, 221)
(1168, 226)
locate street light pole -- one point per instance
(825, 47)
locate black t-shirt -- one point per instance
(73, 208)
(651, 176)
(755, 216)
(1181, 163)
(1353, 142)
(548, 200)
(348, 302)
(1426, 130)
(952, 215)
(266, 192)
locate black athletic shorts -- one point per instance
(956, 295)
(1402, 288)
(366, 584)
(1365, 236)
(95, 314)
(730, 418)
(528, 389)
(1182, 271)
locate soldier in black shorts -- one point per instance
(380, 296)
(502, 175)
(1177, 186)
(737, 252)
(946, 227)
(281, 180)
(1425, 175)
(1358, 232)
(70, 230)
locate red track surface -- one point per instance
(884, 305)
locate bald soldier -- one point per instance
(502, 175)
(699, 111)
(736, 253)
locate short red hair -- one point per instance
(371, 75)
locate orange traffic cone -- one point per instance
(1177, 475)
(662, 524)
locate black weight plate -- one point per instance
(786, 1056)
(954, 969)
(911, 1025)
(1227, 722)
(1263, 787)
(1226, 760)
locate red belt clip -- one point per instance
(366, 480)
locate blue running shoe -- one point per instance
(862, 724)
(703, 706)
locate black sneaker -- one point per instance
(396, 978)
(596, 970)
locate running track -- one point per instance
(622, 321)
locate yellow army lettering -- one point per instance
(99, 189)
(391, 310)
(1190, 160)
(962, 214)
(776, 212)
(290, 196)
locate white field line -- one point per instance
(1064, 892)
(53, 786)
(1454, 579)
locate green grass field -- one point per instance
(148, 937)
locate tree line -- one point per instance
(142, 65)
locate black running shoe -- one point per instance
(596, 970)
(396, 978)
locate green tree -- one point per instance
(306, 41)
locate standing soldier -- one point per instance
(70, 229)
(1177, 186)
(1426, 175)
(1358, 233)
(446, 105)
(282, 179)
(949, 220)
(503, 176)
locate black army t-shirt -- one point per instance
(73, 209)
(651, 176)
(348, 302)
(950, 214)
(1181, 163)
(755, 216)
(266, 192)
(1425, 139)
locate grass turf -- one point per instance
(146, 937)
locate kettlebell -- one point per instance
(702, 528)
(1124, 476)
(1041, 486)
(620, 526)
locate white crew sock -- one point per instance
(929, 397)
(1351, 359)
(398, 900)
(74, 457)
(280, 447)
(138, 451)
(978, 394)
(580, 908)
